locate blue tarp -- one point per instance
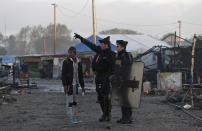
(80, 47)
(6, 60)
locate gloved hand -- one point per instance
(77, 36)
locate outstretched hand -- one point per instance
(77, 36)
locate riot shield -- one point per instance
(129, 91)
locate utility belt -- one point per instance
(101, 74)
(102, 83)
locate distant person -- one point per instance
(24, 67)
(102, 65)
(24, 71)
(72, 76)
(17, 67)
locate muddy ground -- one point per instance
(39, 110)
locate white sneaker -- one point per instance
(75, 120)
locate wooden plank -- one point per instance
(4, 89)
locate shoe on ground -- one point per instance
(122, 121)
(119, 121)
(108, 118)
(126, 122)
(102, 118)
(75, 120)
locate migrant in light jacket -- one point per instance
(67, 74)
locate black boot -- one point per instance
(108, 109)
(126, 122)
(102, 118)
(119, 121)
(126, 115)
(108, 117)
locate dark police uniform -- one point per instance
(123, 65)
(103, 65)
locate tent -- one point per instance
(137, 43)
(80, 47)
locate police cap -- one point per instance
(105, 40)
(122, 43)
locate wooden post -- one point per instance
(180, 28)
(192, 69)
(174, 50)
(94, 21)
(54, 28)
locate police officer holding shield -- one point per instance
(103, 66)
(122, 72)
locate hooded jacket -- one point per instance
(67, 73)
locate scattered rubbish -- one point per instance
(108, 127)
(7, 99)
(199, 129)
(172, 99)
(146, 88)
(187, 106)
(4, 103)
(159, 92)
(17, 92)
(4, 89)
(33, 85)
(13, 92)
(29, 92)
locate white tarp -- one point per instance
(137, 43)
(170, 81)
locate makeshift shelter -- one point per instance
(137, 43)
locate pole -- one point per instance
(192, 69)
(94, 22)
(14, 72)
(54, 27)
(180, 24)
(174, 50)
(44, 46)
(183, 39)
(5, 27)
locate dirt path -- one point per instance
(46, 112)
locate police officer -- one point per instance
(102, 64)
(122, 72)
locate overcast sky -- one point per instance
(153, 17)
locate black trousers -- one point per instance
(104, 93)
(126, 113)
(126, 108)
